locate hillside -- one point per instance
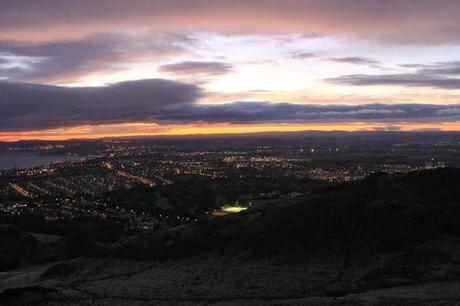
(387, 239)
(380, 213)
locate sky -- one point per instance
(109, 68)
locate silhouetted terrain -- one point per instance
(383, 240)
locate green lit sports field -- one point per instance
(233, 209)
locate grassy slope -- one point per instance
(378, 214)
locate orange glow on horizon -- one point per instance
(152, 129)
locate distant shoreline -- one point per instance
(306, 133)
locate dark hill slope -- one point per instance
(384, 240)
(380, 214)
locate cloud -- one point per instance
(357, 61)
(200, 68)
(442, 68)
(411, 65)
(409, 80)
(436, 75)
(449, 111)
(53, 61)
(26, 107)
(30, 106)
(266, 112)
(388, 128)
(303, 55)
(397, 21)
(364, 111)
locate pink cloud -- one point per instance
(404, 21)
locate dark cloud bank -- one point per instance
(29, 106)
(401, 21)
(262, 112)
(356, 60)
(192, 67)
(442, 75)
(69, 58)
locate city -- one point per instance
(210, 173)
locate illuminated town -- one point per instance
(147, 183)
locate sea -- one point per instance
(26, 159)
